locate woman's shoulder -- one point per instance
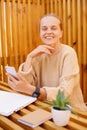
(67, 49)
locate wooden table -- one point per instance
(10, 123)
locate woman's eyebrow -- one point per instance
(43, 26)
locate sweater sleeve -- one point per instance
(30, 75)
(69, 77)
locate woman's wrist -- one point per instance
(43, 94)
(29, 89)
(39, 93)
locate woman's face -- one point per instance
(50, 31)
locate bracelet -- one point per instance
(36, 93)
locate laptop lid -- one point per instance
(12, 102)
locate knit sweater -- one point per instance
(57, 71)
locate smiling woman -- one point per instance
(50, 29)
(52, 66)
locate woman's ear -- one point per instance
(61, 34)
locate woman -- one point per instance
(50, 67)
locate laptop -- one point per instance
(12, 102)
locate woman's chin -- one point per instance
(50, 44)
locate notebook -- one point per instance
(12, 102)
(35, 118)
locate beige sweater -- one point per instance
(57, 71)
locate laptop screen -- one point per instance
(12, 102)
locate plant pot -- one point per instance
(61, 117)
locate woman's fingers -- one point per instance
(45, 49)
(12, 78)
(48, 47)
(40, 50)
(20, 77)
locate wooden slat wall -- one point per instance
(19, 30)
(84, 50)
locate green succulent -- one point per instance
(61, 102)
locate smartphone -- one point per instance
(11, 70)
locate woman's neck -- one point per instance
(56, 47)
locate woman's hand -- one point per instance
(20, 85)
(40, 50)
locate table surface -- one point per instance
(10, 123)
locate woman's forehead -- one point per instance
(49, 20)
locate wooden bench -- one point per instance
(10, 123)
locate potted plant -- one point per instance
(61, 109)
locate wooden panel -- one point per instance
(8, 32)
(79, 34)
(69, 22)
(74, 24)
(29, 27)
(64, 22)
(3, 38)
(84, 46)
(47, 6)
(14, 34)
(56, 7)
(51, 6)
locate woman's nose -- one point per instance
(49, 30)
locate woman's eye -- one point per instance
(53, 28)
(44, 28)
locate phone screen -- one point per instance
(11, 70)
